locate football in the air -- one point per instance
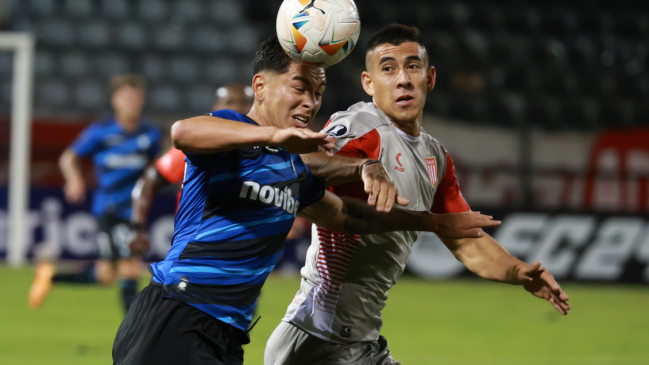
(318, 31)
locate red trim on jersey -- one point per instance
(366, 146)
(172, 165)
(448, 198)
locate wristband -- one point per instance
(370, 162)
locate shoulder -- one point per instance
(360, 119)
(433, 145)
(102, 124)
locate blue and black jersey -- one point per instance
(235, 212)
(119, 158)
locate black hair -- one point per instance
(395, 34)
(271, 57)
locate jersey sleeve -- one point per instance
(448, 198)
(366, 146)
(88, 143)
(172, 165)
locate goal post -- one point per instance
(22, 45)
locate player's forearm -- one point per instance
(143, 194)
(208, 134)
(334, 170)
(70, 165)
(486, 258)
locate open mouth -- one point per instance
(301, 120)
(404, 98)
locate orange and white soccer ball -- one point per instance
(318, 31)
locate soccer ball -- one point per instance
(318, 31)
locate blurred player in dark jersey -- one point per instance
(121, 146)
(169, 168)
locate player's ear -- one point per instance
(259, 86)
(431, 76)
(366, 79)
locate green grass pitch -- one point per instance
(449, 322)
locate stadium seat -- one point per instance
(44, 63)
(75, 64)
(131, 35)
(111, 64)
(58, 33)
(189, 10)
(52, 92)
(168, 38)
(208, 39)
(95, 34)
(6, 63)
(79, 8)
(154, 68)
(164, 97)
(42, 7)
(227, 11)
(116, 9)
(152, 10)
(91, 95)
(221, 70)
(184, 69)
(200, 98)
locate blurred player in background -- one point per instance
(169, 168)
(121, 146)
(335, 317)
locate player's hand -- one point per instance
(139, 244)
(541, 284)
(462, 225)
(382, 190)
(301, 140)
(75, 191)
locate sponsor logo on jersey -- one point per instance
(130, 161)
(270, 195)
(431, 166)
(400, 167)
(346, 332)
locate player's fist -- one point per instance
(300, 140)
(75, 191)
(381, 189)
(139, 244)
(462, 225)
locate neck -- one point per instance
(412, 127)
(128, 122)
(256, 114)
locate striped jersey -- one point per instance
(346, 277)
(235, 211)
(119, 158)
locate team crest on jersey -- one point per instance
(431, 166)
(337, 131)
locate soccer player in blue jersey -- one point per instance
(244, 184)
(121, 146)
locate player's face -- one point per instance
(398, 78)
(236, 99)
(128, 102)
(294, 97)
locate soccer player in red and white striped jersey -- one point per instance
(335, 317)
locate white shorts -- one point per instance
(289, 345)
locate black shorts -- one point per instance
(113, 237)
(161, 331)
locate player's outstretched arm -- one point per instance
(335, 170)
(207, 134)
(74, 186)
(350, 215)
(485, 257)
(142, 196)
